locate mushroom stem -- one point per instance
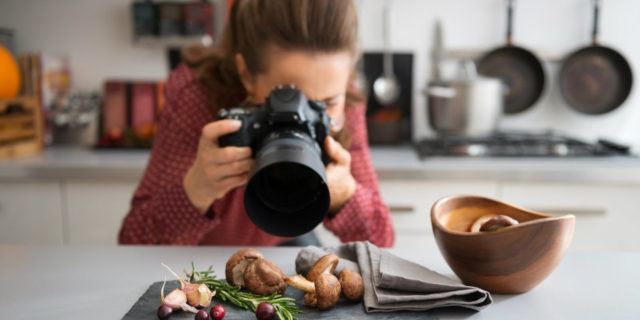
(322, 293)
(326, 264)
(299, 282)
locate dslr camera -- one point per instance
(287, 193)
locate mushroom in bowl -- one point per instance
(513, 255)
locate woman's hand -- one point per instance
(342, 185)
(216, 170)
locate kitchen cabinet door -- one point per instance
(31, 212)
(410, 201)
(410, 204)
(606, 215)
(96, 209)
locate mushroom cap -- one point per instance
(327, 291)
(310, 300)
(265, 278)
(326, 264)
(237, 264)
(498, 222)
(352, 285)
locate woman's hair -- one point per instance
(254, 25)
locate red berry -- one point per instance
(202, 315)
(217, 312)
(164, 312)
(265, 311)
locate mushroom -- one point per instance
(498, 222)
(475, 227)
(237, 264)
(326, 264)
(263, 277)
(323, 293)
(351, 284)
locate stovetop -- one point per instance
(517, 144)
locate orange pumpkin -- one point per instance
(9, 75)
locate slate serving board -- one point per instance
(147, 306)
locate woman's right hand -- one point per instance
(216, 170)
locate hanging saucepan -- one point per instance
(519, 69)
(595, 79)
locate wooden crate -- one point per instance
(20, 133)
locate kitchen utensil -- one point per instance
(360, 80)
(469, 106)
(389, 124)
(75, 119)
(20, 127)
(595, 79)
(170, 17)
(387, 88)
(144, 18)
(511, 260)
(437, 53)
(198, 18)
(519, 144)
(518, 68)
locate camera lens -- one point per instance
(288, 187)
(287, 193)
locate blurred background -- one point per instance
(76, 129)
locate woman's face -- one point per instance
(321, 76)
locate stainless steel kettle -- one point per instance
(470, 105)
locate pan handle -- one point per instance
(509, 22)
(596, 14)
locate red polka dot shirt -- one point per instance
(161, 212)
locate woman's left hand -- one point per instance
(342, 185)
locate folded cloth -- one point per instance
(392, 283)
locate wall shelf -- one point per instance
(173, 41)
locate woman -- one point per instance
(192, 193)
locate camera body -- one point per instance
(287, 193)
(286, 111)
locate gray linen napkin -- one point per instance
(392, 283)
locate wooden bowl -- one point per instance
(509, 260)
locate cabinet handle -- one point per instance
(574, 211)
(404, 209)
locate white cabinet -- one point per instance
(96, 209)
(606, 215)
(31, 212)
(410, 204)
(74, 211)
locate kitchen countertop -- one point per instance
(103, 282)
(396, 162)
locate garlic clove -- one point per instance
(198, 295)
(205, 295)
(193, 296)
(175, 299)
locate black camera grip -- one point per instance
(231, 139)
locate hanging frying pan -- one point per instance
(518, 68)
(595, 79)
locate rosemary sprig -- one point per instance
(286, 308)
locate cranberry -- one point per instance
(265, 311)
(217, 312)
(202, 315)
(164, 312)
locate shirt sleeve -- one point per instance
(161, 212)
(365, 216)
